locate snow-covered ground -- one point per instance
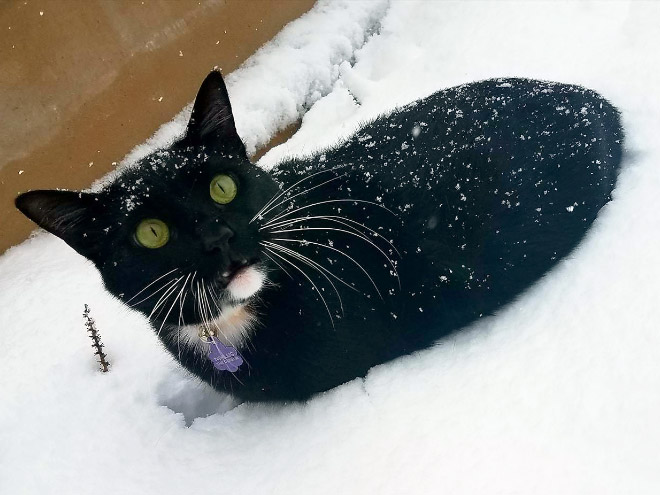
(559, 393)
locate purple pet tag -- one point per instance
(224, 358)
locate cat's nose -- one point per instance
(218, 239)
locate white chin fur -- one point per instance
(245, 283)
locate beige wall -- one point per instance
(84, 82)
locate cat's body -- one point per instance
(423, 221)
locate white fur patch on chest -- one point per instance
(232, 327)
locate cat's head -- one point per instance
(178, 224)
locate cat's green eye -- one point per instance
(223, 189)
(152, 233)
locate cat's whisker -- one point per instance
(180, 324)
(160, 304)
(205, 316)
(169, 287)
(338, 219)
(162, 323)
(302, 241)
(149, 285)
(286, 200)
(213, 321)
(202, 314)
(202, 294)
(214, 299)
(278, 265)
(310, 281)
(309, 260)
(173, 304)
(281, 267)
(319, 268)
(209, 319)
(209, 312)
(152, 294)
(197, 302)
(192, 289)
(182, 320)
(276, 196)
(207, 293)
(214, 296)
(396, 274)
(178, 341)
(256, 215)
(342, 200)
(317, 265)
(356, 232)
(165, 296)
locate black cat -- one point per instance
(275, 286)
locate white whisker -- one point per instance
(166, 285)
(173, 304)
(152, 283)
(302, 241)
(343, 200)
(333, 218)
(301, 192)
(312, 264)
(346, 232)
(310, 281)
(276, 196)
(281, 267)
(165, 296)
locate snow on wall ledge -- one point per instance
(559, 393)
(276, 85)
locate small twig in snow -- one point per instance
(96, 339)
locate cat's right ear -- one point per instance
(67, 214)
(212, 120)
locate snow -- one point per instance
(284, 78)
(559, 393)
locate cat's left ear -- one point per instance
(67, 214)
(212, 120)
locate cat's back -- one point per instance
(493, 182)
(496, 181)
(495, 119)
(449, 207)
(514, 138)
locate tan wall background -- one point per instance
(82, 83)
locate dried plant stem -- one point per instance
(96, 340)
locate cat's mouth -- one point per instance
(244, 281)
